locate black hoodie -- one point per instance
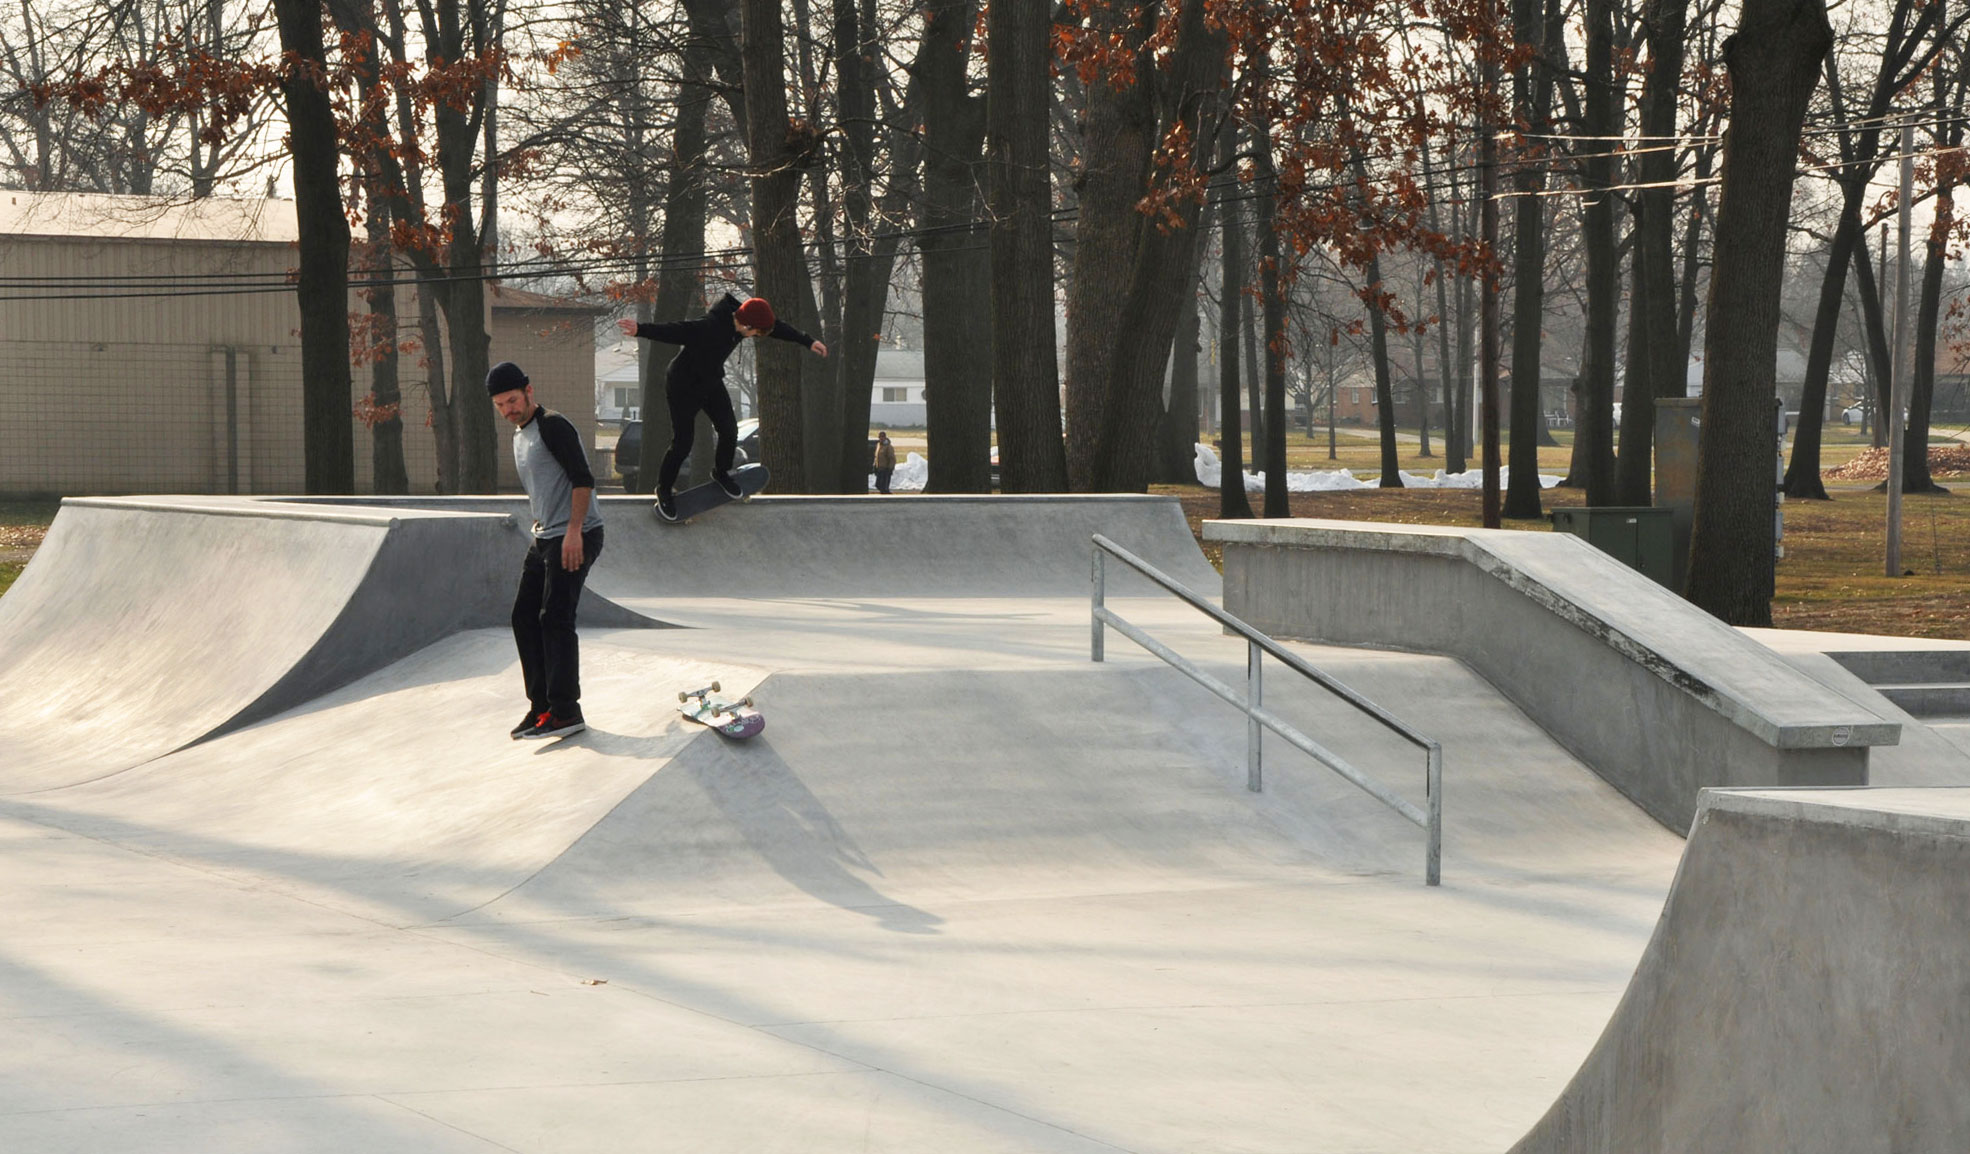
(705, 343)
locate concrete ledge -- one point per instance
(1803, 991)
(1658, 697)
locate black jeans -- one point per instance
(685, 398)
(544, 624)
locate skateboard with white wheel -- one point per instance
(734, 719)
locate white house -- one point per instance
(896, 396)
(617, 393)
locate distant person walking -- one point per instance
(885, 461)
(696, 381)
(567, 538)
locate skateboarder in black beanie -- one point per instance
(696, 380)
(567, 538)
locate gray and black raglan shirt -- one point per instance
(552, 465)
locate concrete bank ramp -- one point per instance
(1804, 991)
(873, 546)
(144, 625)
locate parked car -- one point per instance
(1851, 415)
(629, 449)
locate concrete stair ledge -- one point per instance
(1655, 694)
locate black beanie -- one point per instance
(504, 378)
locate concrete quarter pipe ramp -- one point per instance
(1807, 990)
(142, 626)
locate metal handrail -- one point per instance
(1430, 818)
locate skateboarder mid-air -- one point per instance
(696, 381)
(567, 537)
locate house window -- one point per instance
(1354, 396)
(626, 398)
(895, 396)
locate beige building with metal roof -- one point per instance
(154, 346)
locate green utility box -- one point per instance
(1640, 537)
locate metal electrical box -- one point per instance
(1639, 536)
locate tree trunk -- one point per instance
(1533, 92)
(1632, 462)
(1273, 313)
(1593, 429)
(1378, 331)
(957, 303)
(1655, 248)
(1773, 61)
(1802, 473)
(328, 440)
(1922, 391)
(1159, 279)
(865, 282)
(1025, 365)
(1178, 431)
(1232, 501)
(1453, 419)
(1248, 331)
(1118, 132)
(1876, 325)
(775, 181)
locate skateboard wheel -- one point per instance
(714, 687)
(746, 701)
(683, 697)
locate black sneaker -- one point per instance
(551, 725)
(726, 483)
(666, 506)
(534, 717)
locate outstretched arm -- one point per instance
(782, 331)
(669, 332)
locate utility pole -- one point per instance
(1899, 358)
(1488, 307)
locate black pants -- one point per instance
(685, 399)
(882, 479)
(544, 624)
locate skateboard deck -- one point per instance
(708, 496)
(734, 719)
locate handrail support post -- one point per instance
(1099, 579)
(1254, 732)
(1433, 782)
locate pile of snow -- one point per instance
(1210, 473)
(909, 477)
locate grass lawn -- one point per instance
(23, 522)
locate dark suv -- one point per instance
(629, 449)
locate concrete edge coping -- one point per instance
(1476, 546)
(276, 509)
(1932, 811)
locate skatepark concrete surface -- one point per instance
(969, 891)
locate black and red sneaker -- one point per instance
(554, 725)
(534, 717)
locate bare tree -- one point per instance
(1773, 60)
(1024, 361)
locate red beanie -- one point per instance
(756, 314)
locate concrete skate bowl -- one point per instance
(924, 546)
(1807, 989)
(144, 625)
